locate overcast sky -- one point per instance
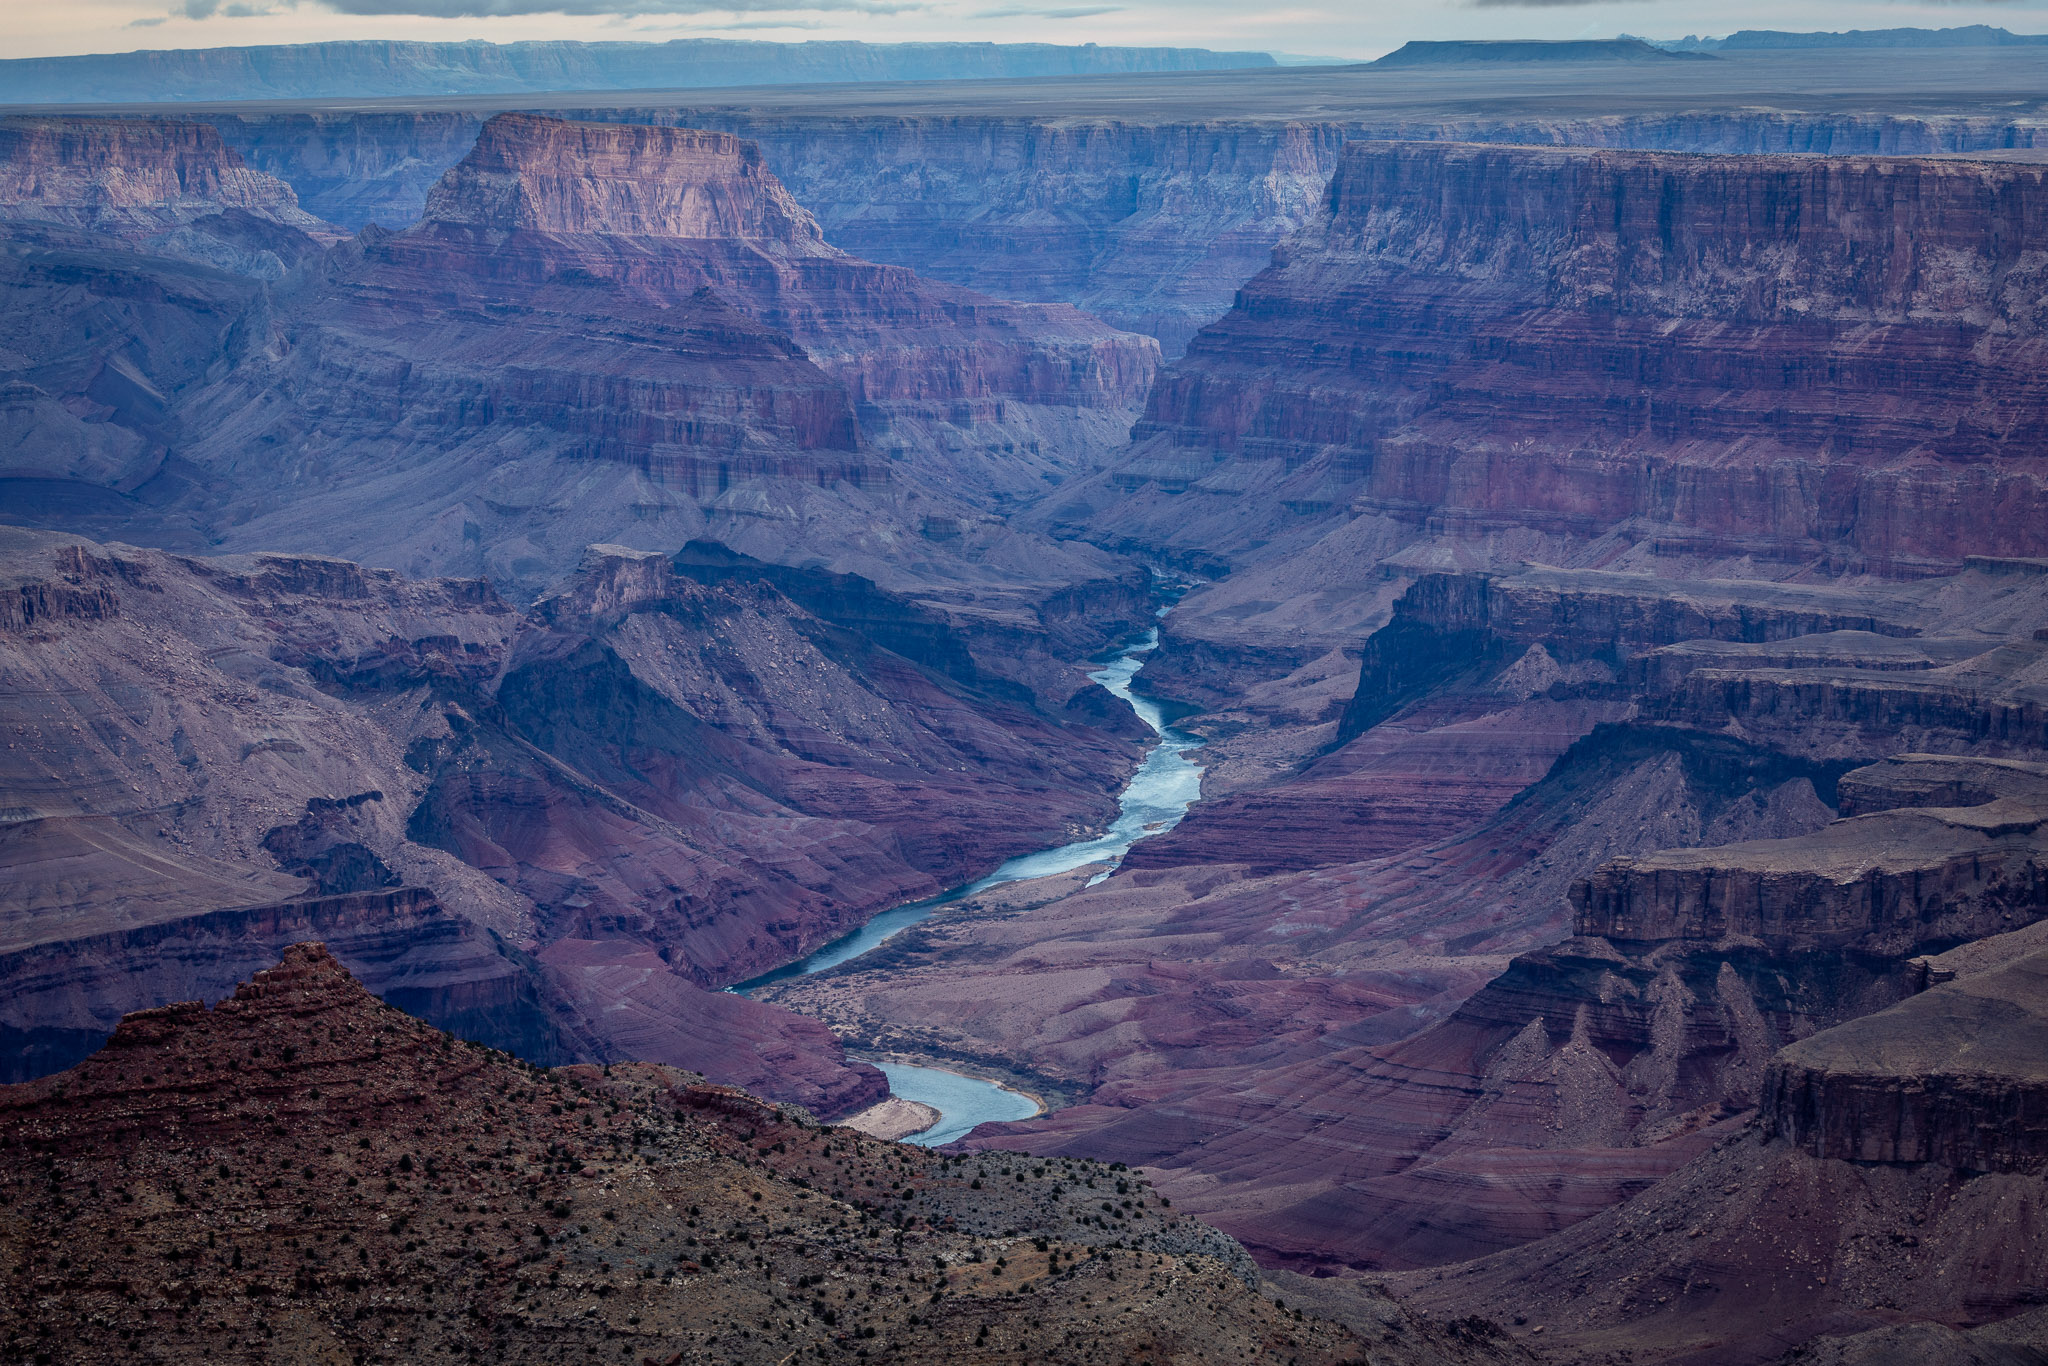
(44, 27)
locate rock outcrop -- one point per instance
(1957, 1075)
(1888, 883)
(1881, 1198)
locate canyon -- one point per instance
(575, 555)
(560, 828)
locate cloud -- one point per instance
(746, 24)
(207, 9)
(502, 9)
(1028, 13)
(144, 23)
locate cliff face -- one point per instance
(1588, 350)
(166, 187)
(122, 174)
(1953, 1076)
(1883, 1191)
(1885, 883)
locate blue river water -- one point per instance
(1155, 799)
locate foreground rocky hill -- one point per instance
(304, 1172)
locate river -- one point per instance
(1155, 799)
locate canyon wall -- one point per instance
(1149, 221)
(1594, 353)
(1384, 1057)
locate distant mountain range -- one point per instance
(1765, 40)
(1458, 52)
(368, 69)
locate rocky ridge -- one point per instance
(314, 1172)
(353, 69)
(1150, 219)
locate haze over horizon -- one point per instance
(1336, 30)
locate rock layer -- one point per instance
(121, 175)
(1573, 347)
